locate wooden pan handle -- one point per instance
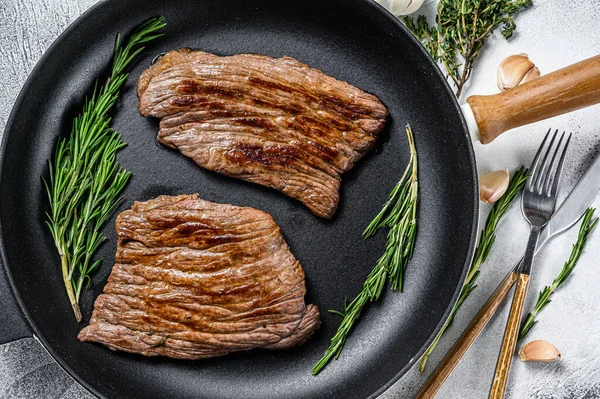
(445, 368)
(565, 90)
(511, 336)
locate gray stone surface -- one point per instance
(554, 33)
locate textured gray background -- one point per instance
(554, 33)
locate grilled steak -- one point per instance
(271, 121)
(195, 279)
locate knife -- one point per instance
(571, 210)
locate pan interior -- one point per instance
(351, 40)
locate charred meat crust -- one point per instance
(195, 279)
(272, 121)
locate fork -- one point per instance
(538, 203)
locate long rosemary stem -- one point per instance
(86, 180)
(400, 216)
(587, 225)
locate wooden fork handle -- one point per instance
(559, 92)
(511, 336)
(445, 368)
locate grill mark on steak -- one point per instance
(305, 104)
(275, 122)
(280, 126)
(169, 296)
(264, 126)
(243, 154)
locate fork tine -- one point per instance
(534, 164)
(539, 177)
(559, 168)
(544, 186)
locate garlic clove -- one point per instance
(412, 7)
(401, 7)
(493, 185)
(533, 73)
(514, 70)
(539, 351)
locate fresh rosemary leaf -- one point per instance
(587, 225)
(86, 180)
(486, 241)
(399, 214)
(462, 26)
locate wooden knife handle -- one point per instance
(511, 336)
(447, 365)
(565, 90)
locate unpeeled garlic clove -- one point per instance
(533, 73)
(539, 351)
(401, 7)
(514, 70)
(493, 185)
(412, 7)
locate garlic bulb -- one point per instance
(514, 70)
(401, 7)
(539, 351)
(493, 185)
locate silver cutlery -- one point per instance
(538, 203)
(570, 211)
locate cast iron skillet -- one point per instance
(353, 40)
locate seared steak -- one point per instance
(195, 279)
(271, 121)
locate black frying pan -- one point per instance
(353, 40)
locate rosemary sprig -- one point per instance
(399, 214)
(587, 225)
(486, 241)
(86, 180)
(462, 26)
